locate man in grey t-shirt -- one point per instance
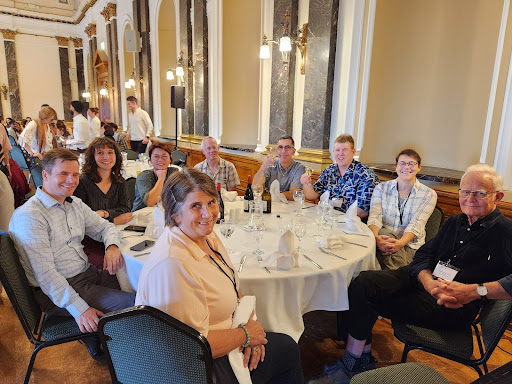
(284, 169)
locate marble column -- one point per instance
(200, 69)
(90, 30)
(116, 72)
(143, 59)
(283, 77)
(110, 74)
(79, 55)
(187, 114)
(12, 76)
(109, 13)
(64, 75)
(320, 61)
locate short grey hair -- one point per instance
(206, 139)
(497, 180)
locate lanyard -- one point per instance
(401, 208)
(233, 280)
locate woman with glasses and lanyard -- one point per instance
(399, 211)
(189, 275)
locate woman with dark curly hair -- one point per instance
(103, 189)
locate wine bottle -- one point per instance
(221, 205)
(266, 198)
(248, 196)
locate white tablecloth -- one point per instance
(132, 167)
(282, 296)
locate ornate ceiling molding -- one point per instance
(8, 34)
(90, 30)
(77, 42)
(109, 11)
(62, 41)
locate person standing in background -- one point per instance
(81, 134)
(141, 127)
(94, 123)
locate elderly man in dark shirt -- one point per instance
(469, 260)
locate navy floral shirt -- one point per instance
(357, 183)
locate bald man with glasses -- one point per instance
(467, 262)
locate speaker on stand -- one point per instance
(178, 102)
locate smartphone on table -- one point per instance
(135, 228)
(142, 245)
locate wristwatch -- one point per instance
(482, 291)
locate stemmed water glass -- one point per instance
(258, 229)
(300, 232)
(298, 196)
(227, 228)
(285, 224)
(274, 153)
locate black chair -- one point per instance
(434, 222)
(457, 345)
(410, 373)
(179, 158)
(130, 190)
(42, 332)
(146, 345)
(131, 154)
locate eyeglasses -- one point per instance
(410, 163)
(157, 157)
(287, 147)
(476, 194)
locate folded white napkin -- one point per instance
(325, 196)
(229, 195)
(286, 254)
(275, 192)
(329, 242)
(157, 226)
(353, 221)
(244, 309)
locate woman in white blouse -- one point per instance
(37, 137)
(189, 275)
(399, 210)
(94, 123)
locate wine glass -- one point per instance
(258, 229)
(227, 228)
(257, 191)
(298, 196)
(285, 224)
(274, 153)
(300, 232)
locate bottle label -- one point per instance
(246, 205)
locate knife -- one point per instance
(355, 233)
(330, 253)
(360, 245)
(312, 262)
(142, 254)
(242, 263)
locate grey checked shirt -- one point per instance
(48, 237)
(226, 173)
(287, 179)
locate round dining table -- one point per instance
(319, 282)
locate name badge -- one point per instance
(445, 271)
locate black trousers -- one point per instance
(137, 146)
(396, 295)
(281, 364)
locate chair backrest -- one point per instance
(131, 154)
(14, 280)
(179, 158)
(37, 175)
(146, 345)
(130, 190)
(494, 318)
(18, 157)
(12, 140)
(434, 222)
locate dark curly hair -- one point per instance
(90, 168)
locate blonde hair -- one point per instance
(345, 139)
(44, 114)
(497, 180)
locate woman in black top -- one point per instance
(103, 189)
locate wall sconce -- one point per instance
(103, 91)
(169, 75)
(5, 91)
(285, 44)
(86, 94)
(180, 66)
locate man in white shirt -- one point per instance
(141, 127)
(94, 122)
(81, 135)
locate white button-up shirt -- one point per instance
(81, 137)
(140, 125)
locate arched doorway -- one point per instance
(101, 68)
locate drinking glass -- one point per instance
(300, 232)
(285, 224)
(298, 196)
(274, 153)
(258, 229)
(257, 191)
(227, 228)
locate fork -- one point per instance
(330, 253)
(260, 260)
